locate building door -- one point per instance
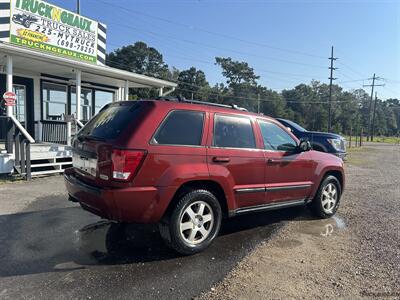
(24, 109)
(19, 110)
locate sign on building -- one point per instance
(51, 29)
(10, 98)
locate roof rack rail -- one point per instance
(182, 99)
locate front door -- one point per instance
(24, 109)
(19, 110)
(288, 172)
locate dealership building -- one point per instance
(53, 60)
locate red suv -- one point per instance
(187, 164)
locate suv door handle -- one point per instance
(221, 159)
(273, 161)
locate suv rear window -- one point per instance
(112, 120)
(181, 127)
(233, 132)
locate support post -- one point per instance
(126, 90)
(28, 161)
(356, 139)
(69, 133)
(361, 134)
(351, 133)
(78, 93)
(40, 131)
(373, 117)
(331, 78)
(161, 92)
(9, 86)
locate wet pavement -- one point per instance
(65, 252)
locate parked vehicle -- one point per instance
(320, 141)
(187, 164)
(24, 20)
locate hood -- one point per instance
(327, 135)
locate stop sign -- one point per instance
(10, 98)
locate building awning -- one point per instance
(30, 61)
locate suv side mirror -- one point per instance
(304, 145)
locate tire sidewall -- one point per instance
(197, 195)
(318, 208)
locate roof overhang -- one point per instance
(33, 61)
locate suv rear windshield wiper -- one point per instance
(90, 137)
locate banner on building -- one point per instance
(48, 28)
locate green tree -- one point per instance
(236, 72)
(142, 59)
(139, 58)
(192, 84)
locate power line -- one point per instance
(217, 48)
(209, 31)
(260, 71)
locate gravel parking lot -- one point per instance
(52, 249)
(353, 255)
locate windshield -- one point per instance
(293, 125)
(111, 120)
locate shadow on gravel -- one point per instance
(69, 238)
(85, 257)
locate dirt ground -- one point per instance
(354, 255)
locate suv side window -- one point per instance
(275, 138)
(233, 132)
(181, 127)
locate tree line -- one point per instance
(306, 103)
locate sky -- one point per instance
(287, 42)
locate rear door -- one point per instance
(288, 172)
(234, 158)
(92, 147)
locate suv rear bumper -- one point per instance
(131, 204)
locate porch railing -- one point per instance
(59, 132)
(22, 145)
(54, 132)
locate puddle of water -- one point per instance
(322, 228)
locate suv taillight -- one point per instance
(125, 163)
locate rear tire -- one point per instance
(193, 224)
(326, 201)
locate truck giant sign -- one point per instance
(47, 28)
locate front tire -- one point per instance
(193, 224)
(326, 201)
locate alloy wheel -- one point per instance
(329, 198)
(196, 222)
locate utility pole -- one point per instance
(373, 117)
(78, 7)
(258, 102)
(373, 85)
(331, 78)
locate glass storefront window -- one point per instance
(102, 98)
(54, 101)
(86, 103)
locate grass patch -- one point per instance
(10, 179)
(358, 156)
(377, 139)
